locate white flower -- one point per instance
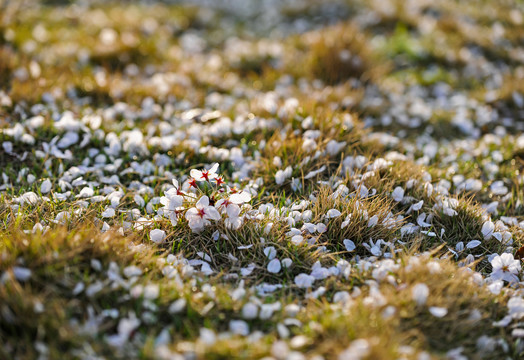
(375, 246)
(304, 280)
(199, 216)
(228, 207)
(46, 186)
(274, 266)
(420, 293)
(157, 236)
(205, 175)
(505, 267)
(398, 194)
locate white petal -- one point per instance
(373, 221)
(270, 252)
(438, 311)
(398, 194)
(304, 280)
(420, 293)
(22, 273)
(239, 327)
(139, 200)
(350, 245)
(212, 213)
(297, 239)
(249, 311)
(487, 229)
(202, 202)
(274, 266)
(213, 169)
(473, 244)
(240, 198)
(233, 210)
(157, 235)
(287, 262)
(333, 213)
(108, 213)
(196, 174)
(46, 186)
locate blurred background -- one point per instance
(378, 54)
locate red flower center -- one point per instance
(201, 212)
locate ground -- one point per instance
(299, 179)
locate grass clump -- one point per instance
(363, 220)
(470, 308)
(231, 250)
(338, 54)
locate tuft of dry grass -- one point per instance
(360, 212)
(470, 307)
(340, 53)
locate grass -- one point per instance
(59, 260)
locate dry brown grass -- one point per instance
(340, 53)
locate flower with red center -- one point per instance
(219, 180)
(198, 217)
(205, 174)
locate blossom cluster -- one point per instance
(204, 198)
